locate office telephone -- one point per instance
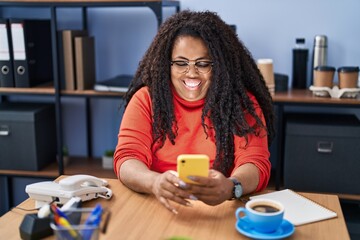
(84, 186)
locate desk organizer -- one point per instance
(335, 92)
(77, 224)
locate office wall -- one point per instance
(267, 27)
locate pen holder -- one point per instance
(76, 225)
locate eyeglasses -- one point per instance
(202, 67)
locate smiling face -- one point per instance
(191, 85)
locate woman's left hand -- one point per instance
(212, 190)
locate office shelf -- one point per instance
(92, 93)
(79, 165)
(29, 91)
(155, 5)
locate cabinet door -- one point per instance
(325, 162)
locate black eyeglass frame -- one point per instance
(192, 62)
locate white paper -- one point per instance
(298, 209)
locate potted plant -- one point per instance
(107, 159)
(65, 152)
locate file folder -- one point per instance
(85, 62)
(69, 56)
(32, 52)
(6, 65)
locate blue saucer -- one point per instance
(285, 230)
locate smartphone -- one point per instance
(192, 165)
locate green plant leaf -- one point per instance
(109, 153)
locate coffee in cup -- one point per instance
(265, 208)
(265, 65)
(263, 215)
(323, 76)
(348, 77)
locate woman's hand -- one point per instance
(168, 187)
(212, 190)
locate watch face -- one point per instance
(238, 191)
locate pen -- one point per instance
(106, 221)
(95, 216)
(65, 223)
(62, 221)
(58, 212)
(92, 222)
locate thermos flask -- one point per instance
(319, 53)
(299, 68)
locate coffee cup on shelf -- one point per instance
(263, 215)
(348, 77)
(323, 76)
(265, 65)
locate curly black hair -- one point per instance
(234, 74)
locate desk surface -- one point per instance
(138, 216)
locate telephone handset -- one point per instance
(84, 186)
(77, 181)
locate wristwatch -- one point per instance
(237, 190)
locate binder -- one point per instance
(60, 54)
(32, 52)
(69, 56)
(6, 65)
(85, 62)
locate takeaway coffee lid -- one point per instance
(324, 69)
(348, 69)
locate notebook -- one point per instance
(299, 210)
(119, 83)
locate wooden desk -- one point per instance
(137, 216)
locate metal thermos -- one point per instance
(319, 53)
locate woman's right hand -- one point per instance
(168, 187)
(165, 186)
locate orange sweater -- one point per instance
(135, 138)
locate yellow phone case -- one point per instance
(192, 165)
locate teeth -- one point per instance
(192, 83)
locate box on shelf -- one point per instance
(322, 153)
(27, 135)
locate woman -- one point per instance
(196, 90)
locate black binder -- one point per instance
(6, 65)
(32, 52)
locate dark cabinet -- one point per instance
(322, 153)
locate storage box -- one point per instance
(322, 153)
(27, 135)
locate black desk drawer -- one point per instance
(322, 153)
